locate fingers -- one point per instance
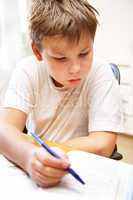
(45, 169)
(46, 176)
(49, 160)
(44, 181)
(49, 171)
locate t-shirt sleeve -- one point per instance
(20, 92)
(105, 105)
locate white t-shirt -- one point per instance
(59, 114)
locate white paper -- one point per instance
(105, 180)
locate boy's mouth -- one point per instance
(74, 81)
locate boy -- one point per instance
(63, 94)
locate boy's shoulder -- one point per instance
(29, 63)
(100, 69)
(30, 71)
(33, 68)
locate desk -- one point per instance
(104, 176)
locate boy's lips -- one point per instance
(74, 81)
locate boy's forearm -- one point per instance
(93, 144)
(14, 145)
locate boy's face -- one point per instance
(67, 63)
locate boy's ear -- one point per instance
(36, 51)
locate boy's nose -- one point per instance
(74, 68)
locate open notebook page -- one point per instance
(104, 178)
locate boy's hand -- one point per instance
(45, 169)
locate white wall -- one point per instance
(114, 40)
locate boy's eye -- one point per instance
(83, 54)
(60, 59)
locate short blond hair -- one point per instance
(68, 18)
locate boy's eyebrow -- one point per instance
(57, 53)
(63, 54)
(87, 48)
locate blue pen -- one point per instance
(50, 151)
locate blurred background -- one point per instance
(114, 43)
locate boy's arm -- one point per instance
(101, 143)
(13, 144)
(43, 168)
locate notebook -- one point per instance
(105, 179)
